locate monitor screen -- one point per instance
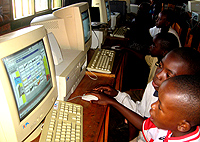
(86, 25)
(29, 74)
(108, 10)
(95, 14)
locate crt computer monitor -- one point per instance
(71, 26)
(102, 8)
(27, 82)
(194, 6)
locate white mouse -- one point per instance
(89, 97)
(116, 47)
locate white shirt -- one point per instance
(140, 107)
(153, 31)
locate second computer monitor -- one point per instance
(71, 26)
(104, 9)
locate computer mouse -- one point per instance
(89, 97)
(116, 47)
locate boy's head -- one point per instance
(177, 108)
(165, 19)
(162, 44)
(180, 61)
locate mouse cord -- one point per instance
(96, 77)
(73, 98)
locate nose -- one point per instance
(159, 73)
(153, 106)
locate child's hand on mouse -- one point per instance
(106, 89)
(103, 99)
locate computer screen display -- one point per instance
(30, 78)
(108, 10)
(94, 14)
(86, 25)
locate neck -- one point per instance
(179, 134)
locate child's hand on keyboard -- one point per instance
(106, 89)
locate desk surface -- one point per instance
(93, 114)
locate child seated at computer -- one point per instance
(174, 116)
(179, 61)
(163, 24)
(161, 45)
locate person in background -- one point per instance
(163, 24)
(162, 44)
(155, 8)
(139, 37)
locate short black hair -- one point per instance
(188, 89)
(191, 57)
(169, 14)
(168, 41)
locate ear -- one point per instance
(184, 126)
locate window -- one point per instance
(25, 8)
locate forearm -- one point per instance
(131, 116)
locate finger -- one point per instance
(94, 102)
(106, 92)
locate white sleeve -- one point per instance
(153, 31)
(143, 107)
(124, 99)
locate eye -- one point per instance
(169, 74)
(159, 106)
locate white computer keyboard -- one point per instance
(64, 123)
(102, 61)
(119, 32)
